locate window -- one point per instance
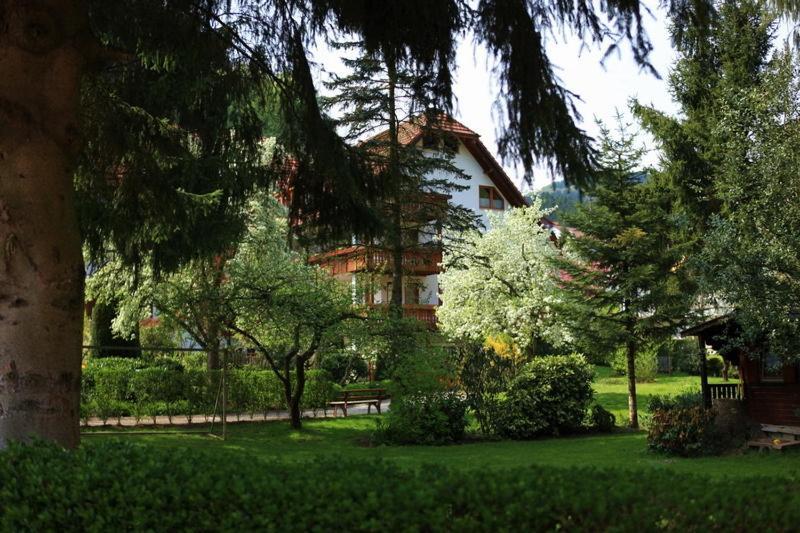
(431, 141)
(438, 141)
(771, 368)
(411, 293)
(490, 198)
(450, 144)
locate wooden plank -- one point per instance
(789, 430)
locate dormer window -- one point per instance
(490, 198)
(440, 141)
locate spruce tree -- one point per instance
(622, 268)
(411, 153)
(724, 86)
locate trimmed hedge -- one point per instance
(114, 389)
(117, 486)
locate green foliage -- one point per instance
(432, 418)
(646, 366)
(599, 419)
(484, 376)
(549, 396)
(344, 366)
(119, 485)
(502, 282)
(683, 354)
(124, 389)
(625, 284)
(426, 408)
(682, 426)
(103, 336)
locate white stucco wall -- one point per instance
(470, 197)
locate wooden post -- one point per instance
(704, 373)
(225, 393)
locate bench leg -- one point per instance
(378, 406)
(369, 407)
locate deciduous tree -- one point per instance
(502, 282)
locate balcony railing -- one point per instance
(422, 312)
(353, 259)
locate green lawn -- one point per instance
(612, 391)
(345, 438)
(348, 438)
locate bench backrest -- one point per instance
(363, 394)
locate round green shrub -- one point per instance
(434, 418)
(550, 395)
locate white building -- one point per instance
(488, 189)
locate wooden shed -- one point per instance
(769, 388)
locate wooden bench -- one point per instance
(370, 397)
(776, 437)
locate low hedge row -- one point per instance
(112, 391)
(117, 486)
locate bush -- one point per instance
(681, 425)
(121, 486)
(600, 419)
(484, 376)
(646, 364)
(714, 364)
(550, 396)
(344, 366)
(122, 389)
(425, 407)
(683, 354)
(438, 418)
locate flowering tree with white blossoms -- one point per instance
(503, 283)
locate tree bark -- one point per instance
(633, 410)
(396, 237)
(41, 263)
(294, 411)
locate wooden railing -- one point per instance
(352, 259)
(422, 312)
(725, 391)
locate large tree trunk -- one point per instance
(396, 237)
(633, 411)
(41, 265)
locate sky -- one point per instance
(603, 88)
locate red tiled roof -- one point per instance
(410, 132)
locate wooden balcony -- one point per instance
(422, 312)
(422, 261)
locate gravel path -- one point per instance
(183, 420)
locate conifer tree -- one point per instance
(624, 282)
(715, 62)
(729, 100)
(383, 98)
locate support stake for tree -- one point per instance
(225, 392)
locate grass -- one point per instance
(347, 437)
(612, 391)
(344, 437)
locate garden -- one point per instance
(221, 222)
